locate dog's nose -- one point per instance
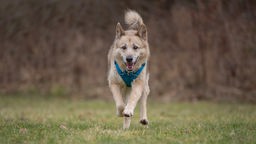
(129, 59)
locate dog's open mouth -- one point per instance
(130, 66)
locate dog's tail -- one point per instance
(133, 19)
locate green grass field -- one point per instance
(56, 120)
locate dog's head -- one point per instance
(131, 46)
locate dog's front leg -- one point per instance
(143, 107)
(127, 122)
(116, 91)
(135, 95)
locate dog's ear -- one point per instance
(119, 31)
(142, 32)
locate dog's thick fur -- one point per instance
(131, 43)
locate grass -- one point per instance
(56, 120)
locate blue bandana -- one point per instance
(128, 77)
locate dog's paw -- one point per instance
(128, 112)
(144, 121)
(119, 110)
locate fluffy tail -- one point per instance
(133, 19)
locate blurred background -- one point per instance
(200, 49)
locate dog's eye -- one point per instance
(135, 47)
(124, 47)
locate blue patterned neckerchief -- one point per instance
(128, 77)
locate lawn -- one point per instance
(57, 120)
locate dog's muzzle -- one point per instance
(130, 62)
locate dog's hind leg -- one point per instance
(127, 122)
(116, 91)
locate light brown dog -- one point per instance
(129, 54)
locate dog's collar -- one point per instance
(128, 77)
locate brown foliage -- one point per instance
(200, 49)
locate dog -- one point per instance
(128, 68)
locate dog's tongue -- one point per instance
(129, 66)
